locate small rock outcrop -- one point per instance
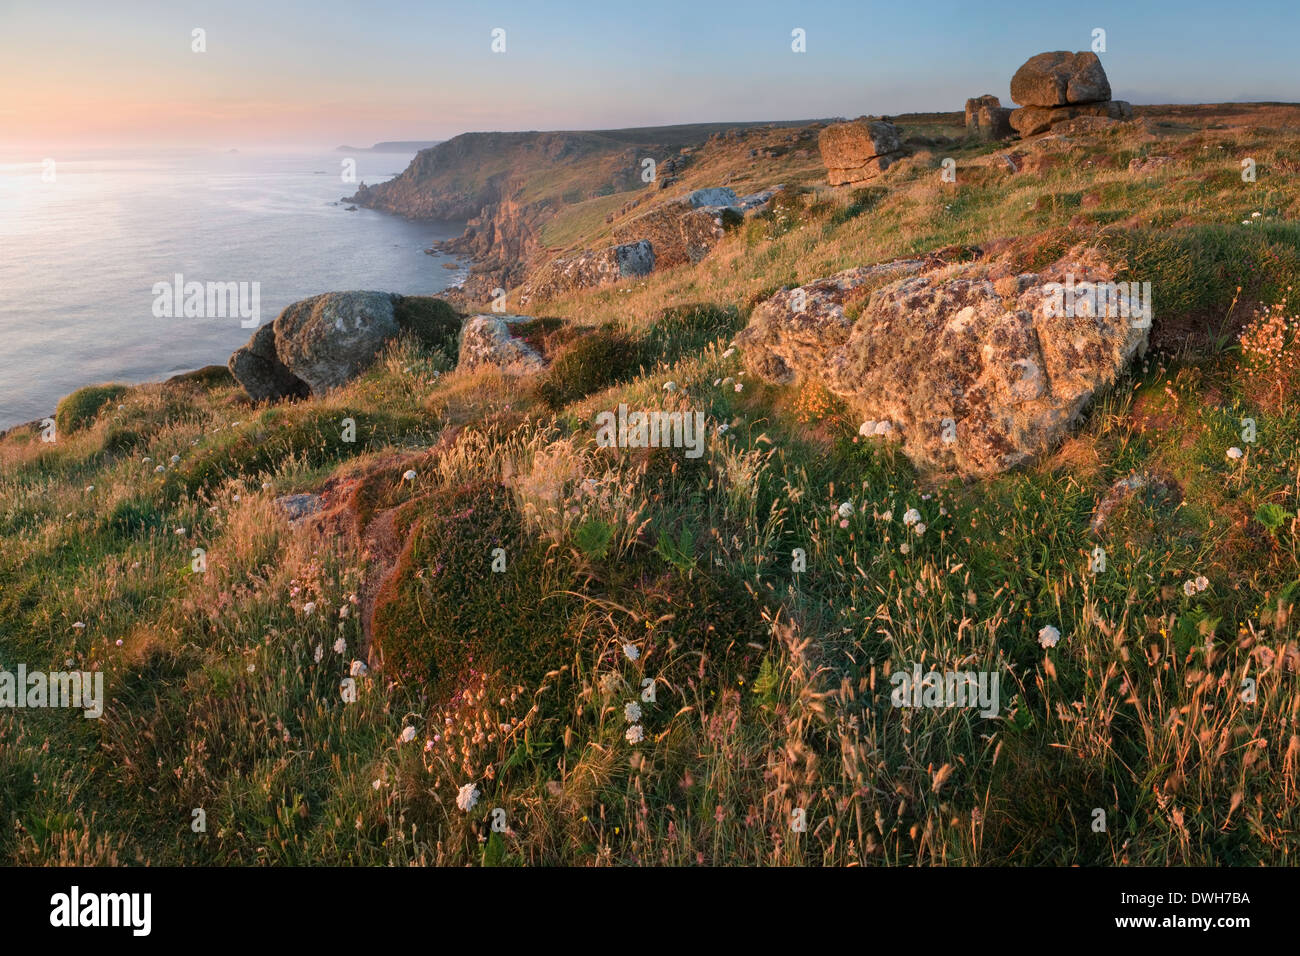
(859, 151)
(973, 107)
(589, 270)
(977, 374)
(994, 122)
(682, 230)
(1056, 87)
(486, 341)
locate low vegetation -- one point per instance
(641, 658)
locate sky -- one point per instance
(278, 73)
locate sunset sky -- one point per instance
(95, 74)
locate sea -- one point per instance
(85, 238)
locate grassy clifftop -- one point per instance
(681, 657)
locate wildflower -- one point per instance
(631, 651)
(90, 488)
(176, 459)
(376, 783)
(358, 669)
(146, 460)
(266, 486)
(717, 382)
(428, 745)
(843, 524)
(904, 548)
(236, 497)
(345, 610)
(119, 642)
(1255, 215)
(159, 470)
(340, 646)
(632, 712)
(919, 528)
(409, 476)
(670, 386)
(740, 386)
(309, 608)
(609, 682)
(180, 530)
(80, 625)
(1202, 582)
(1234, 453)
(723, 429)
(251, 668)
(732, 351)
(1189, 588)
(408, 734)
(1048, 636)
(467, 797)
(635, 734)
(319, 653)
(846, 509)
(887, 515)
(911, 516)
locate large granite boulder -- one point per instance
(1058, 78)
(257, 367)
(486, 341)
(315, 345)
(858, 151)
(977, 374)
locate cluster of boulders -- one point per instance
(987, 118)
(669, 234)
(969, 366)
(1054, 88)
(859, 151)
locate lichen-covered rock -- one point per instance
(1058, 78)
(976, 377)
(258, 368)
(973, 107)
(994, 122)
(1031, 120)
(858, 151)
(718, 196)
(486, 340)
(329, 339)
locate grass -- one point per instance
(679, 654)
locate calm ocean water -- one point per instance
(79, 258)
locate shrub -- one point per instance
(78, 410)
(587, 365)
(688, 330)
(443, 613)
(433, 322)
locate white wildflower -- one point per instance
(911, 516)
(340, 646)
(631, 651)
(846, 509)
(632, 712)
(1048, 636)
(409, 476)
(635, 734)
(467, 797)
(408, 734)
(1202, 582)
(1234, 453)
(358, 669)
